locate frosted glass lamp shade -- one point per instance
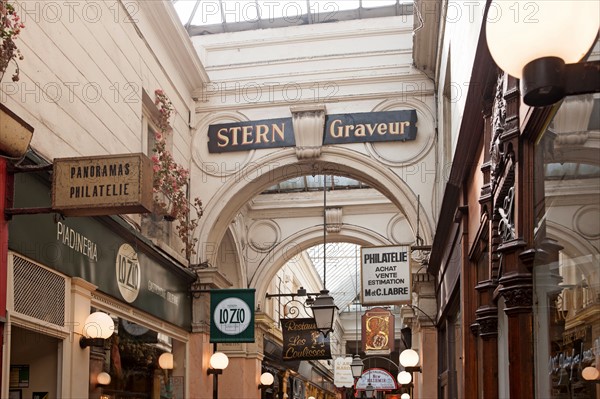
(521, 31)
(266, 379)
(98, 325)
(404, 377)
(219, 361)
(165, 361)
(409, 358)
(103, 378)
(590, 373)
(405, 396)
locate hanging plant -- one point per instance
(10, 27)
(171, 181)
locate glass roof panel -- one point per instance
(215, 12)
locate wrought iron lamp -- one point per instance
(324, 308)
(357, 366)
(542, 44)
(97, 327)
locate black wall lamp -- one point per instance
(98, 327)
(542, 44)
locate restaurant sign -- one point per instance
(385, 275)
(302, 340)
(102, 185)
(339, 129)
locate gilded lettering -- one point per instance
(222, 138)
(360, 130)
(247, 135)
(279, 131)
(407, 124)
(371, 129)
(261, 134)
(348, 129)
(394, 128)
(234, 132)
(332, 129)
(382, 129)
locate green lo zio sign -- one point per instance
(232, 315)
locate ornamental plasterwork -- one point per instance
(498, 121)
(506, 227)
(309, 124)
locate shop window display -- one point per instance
(567, 237)
(132, 358)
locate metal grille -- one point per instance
(38, 292)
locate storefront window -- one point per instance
(141, 363)
(567, 271)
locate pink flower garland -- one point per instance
(10, 27)
(171, 180)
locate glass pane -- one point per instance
(291, 10)
(240, 10)
(377, 3)
(207, 13)
(567, 276)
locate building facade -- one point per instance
(515, 253)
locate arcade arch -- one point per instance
(238, 191)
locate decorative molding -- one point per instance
(498, 121)
(263, 235)
(309, 124)
(487, 318)
(506, 226)
(517, 290)
(333, 218)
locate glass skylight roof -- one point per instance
(269, 13)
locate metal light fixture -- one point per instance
(97, 327)
(404, 377)
(543, 47)
(266, 380)
(409, 358)
(103, 379)
(324, 308)
(165, 361)
(370, 391)
(357, 366)
(590, 373)
(217, 363)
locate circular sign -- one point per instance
(128, 272)
(232, 316)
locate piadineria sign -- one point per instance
(339, 129)
(385, 275)
(102, 185)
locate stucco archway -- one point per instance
(282, 165)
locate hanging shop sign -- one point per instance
(102, 185)
(371, 127)
(302, 340)
(232, 315)
(342, 373)
(339, 129)
(385, 275)
(251, 135)
(381, 380)
(378, 331)
(105, 252)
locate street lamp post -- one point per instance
(218, 362)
